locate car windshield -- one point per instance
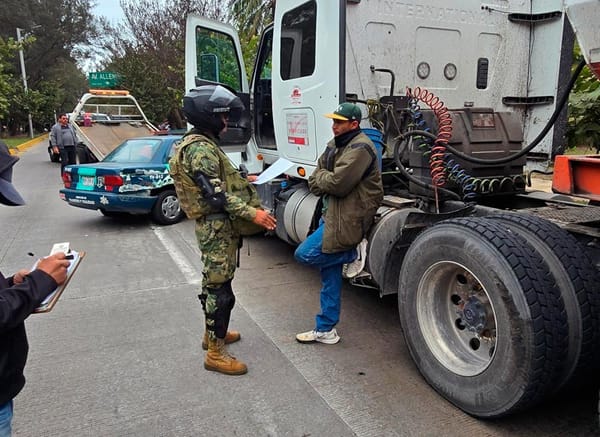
(134, 150)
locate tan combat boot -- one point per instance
(230, 337)
(218, 360)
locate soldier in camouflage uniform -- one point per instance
(224, 205)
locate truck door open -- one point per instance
(264, 130)
(213, 55)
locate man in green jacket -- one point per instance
(348, 180)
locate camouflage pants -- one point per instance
(218, 244)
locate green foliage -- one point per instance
(218, 61)
(148, 51)
(7, 49)
(150, 87)
(56, 35)
(250, 17)
(16, 141)
(584, 111)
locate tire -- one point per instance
(576, 279)
(53, 156)
(166, 210)
(482, 321)
(83, 155)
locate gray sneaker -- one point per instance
(352, 269)
(329, 337)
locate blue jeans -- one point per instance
(330, 265)
(6, 413)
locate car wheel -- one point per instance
(481, 318)
(166, 210)
(53, 156)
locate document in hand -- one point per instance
(277, 168)
(50, 300)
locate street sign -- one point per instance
(103, 79)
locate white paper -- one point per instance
(278, 167)
(72, 264)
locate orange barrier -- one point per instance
(577, 176)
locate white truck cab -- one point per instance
(465, 96)
(512, 58)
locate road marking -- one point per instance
(325, 378)
(189, 271)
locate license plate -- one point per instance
(87, 181)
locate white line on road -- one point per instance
(190, 272)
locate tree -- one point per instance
(63, 31)
(250, 17)
(7, 49)
(57, 35)
(584, 110)
(148, 51)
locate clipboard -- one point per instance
(50, 300)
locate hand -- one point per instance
(264, 219)
(251, 177)
(56, 266)
(55, 150)
(19, 277)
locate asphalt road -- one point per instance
(120, 354)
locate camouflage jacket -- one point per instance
(198, 153)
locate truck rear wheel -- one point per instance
(576, 278)
(83, 154)
(480, 318)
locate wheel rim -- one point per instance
(170, 207)
(456, 318)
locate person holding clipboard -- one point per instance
(20, 295)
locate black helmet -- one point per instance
(203, 107)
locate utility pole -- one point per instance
(22, 59)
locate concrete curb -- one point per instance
(27, 144)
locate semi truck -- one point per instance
(114, 116)
(497, 283)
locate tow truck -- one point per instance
(122, 118)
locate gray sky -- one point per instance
(110, 9)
